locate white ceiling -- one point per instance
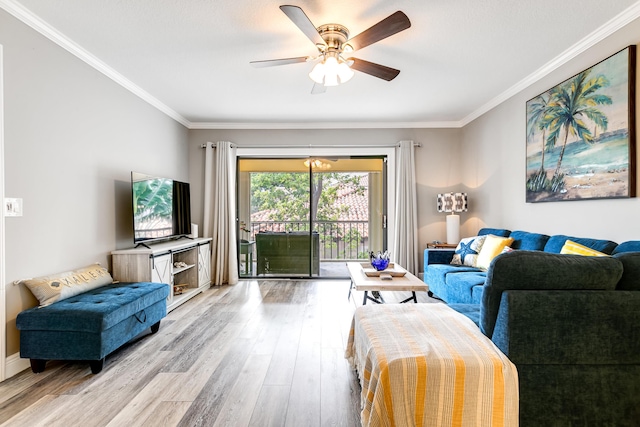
(190, 58)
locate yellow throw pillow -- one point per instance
(56, 287)
(492, 247)
(573, 248)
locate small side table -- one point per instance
(441, 246)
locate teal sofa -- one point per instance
(570, 324)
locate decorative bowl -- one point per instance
(379, 263)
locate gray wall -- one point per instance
(72, 137)
(437, 168)
(493, 154)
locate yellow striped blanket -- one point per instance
(428, 365)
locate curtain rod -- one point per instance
(214, 145)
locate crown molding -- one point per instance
(29, 18)
(324, 125)
(618, 22)
(625, 17)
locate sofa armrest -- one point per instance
(569, 327)
(438, 256)
(542, 271)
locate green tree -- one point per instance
(352, 240)
(287, 195)
(568, 108)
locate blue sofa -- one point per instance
(91, 325)
(569, 323)
(464, 284)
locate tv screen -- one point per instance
(161, 208)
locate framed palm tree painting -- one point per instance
(581, 134)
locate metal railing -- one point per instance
(338, 239)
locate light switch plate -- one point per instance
(12, 206)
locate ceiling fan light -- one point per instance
(331, 63)
(331, 80)
(331, 69)
(344, 72)
(317, 74)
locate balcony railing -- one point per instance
(339, 240)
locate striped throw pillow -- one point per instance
(573, 248)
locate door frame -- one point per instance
(306, 151)
(3, 308)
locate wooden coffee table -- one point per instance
(361, 282)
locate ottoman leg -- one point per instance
(96, 365)
(155, 327)
(37, 365)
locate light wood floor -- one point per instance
(268, 353)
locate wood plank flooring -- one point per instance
(259, 353)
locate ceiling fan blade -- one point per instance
(376, 70)
(389, 26)
(318, 89)
(274, 62)
(303, 22)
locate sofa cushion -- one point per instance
(467, 251)
(472, 311)
(500, 232)
(535, 270)
(555, 244)
(436, 278)
(436, 273)
(572, 248)
(460, 286)
(630, 246)
(492, 247)
(59, 286)
(476, 293)
(95, 310)
(525, 241)
(630, 280)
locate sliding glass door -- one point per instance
(306, 217)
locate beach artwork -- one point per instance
(581, 135)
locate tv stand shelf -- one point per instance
(181, 269)
(163, 263)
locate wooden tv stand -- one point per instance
(157, 263)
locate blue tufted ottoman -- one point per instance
(91, 325)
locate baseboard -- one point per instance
(14, 364)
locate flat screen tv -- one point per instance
(161, 208)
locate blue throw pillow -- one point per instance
(467, 251)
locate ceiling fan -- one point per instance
(334, 45)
